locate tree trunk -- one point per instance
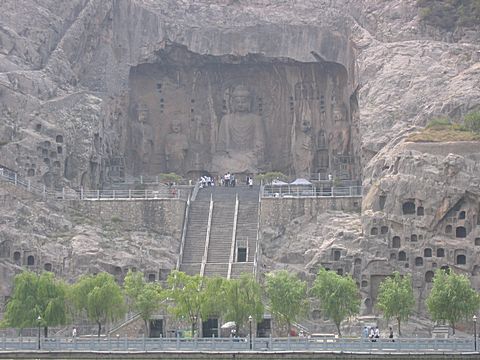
(338, 329)
(45, 332)
(147, 333)
(398, 321)
(289, 327)
(99, 328)
(453, 328)
(193, 329)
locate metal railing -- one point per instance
(81, 194)
(120, 343)
(293, 191)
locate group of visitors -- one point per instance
(227, 180)
(373, 333)
(206, 181)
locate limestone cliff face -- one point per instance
(72, 113)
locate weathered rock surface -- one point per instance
(67, 113)
(72, 239)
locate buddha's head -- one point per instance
(176, 127)
(241, 99)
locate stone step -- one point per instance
(239, 268)
(190, 269)
(216, 269)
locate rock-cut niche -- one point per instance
(193, 114)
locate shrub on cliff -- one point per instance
(449, 14)
(472, 122)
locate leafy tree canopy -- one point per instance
(452, 298)
(187, 295)
(395, 298)
(287, 296)
(338, 296)
(242, 299)
(100, 297)
(145, 298)
(33, 296)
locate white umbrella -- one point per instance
(301, 181)
(277, 182)
(229, 325)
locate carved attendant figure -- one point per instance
(241, 138)
(304, 150)
(176, 147)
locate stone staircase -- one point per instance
(221, 231)
(194, 246)
(247, 227)
(220, 238)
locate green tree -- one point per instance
(242, 299)
(213, 296)
(287, 296)
(338, 296)
(452, 298)
(268, 177)
(100, 297)
(472, 122)
(33, 296)
(395, 298)
(170, 178)
(187, 295)
(145, 298)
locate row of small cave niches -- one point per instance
(460, 232)
(150, 275)
(29, 260)
(428, 276)
(460, 256)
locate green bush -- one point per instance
(459, 127)
(170, 178)
(270, 176)
(472, 122)
(116, 219)
(439, 123)
(449, 14)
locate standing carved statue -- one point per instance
(146, 152)
(241, 137)
(303, 155)
(176, 147)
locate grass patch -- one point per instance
(443, 133)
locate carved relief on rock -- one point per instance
(176, 147)
(232, 112)
(240, 143)
(147, 136)
(303, 149)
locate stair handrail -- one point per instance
(234, 237)
(257, 241)
(207, 237)
(184, 233)
(195, 190)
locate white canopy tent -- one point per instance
(301, 182)
(277, 182)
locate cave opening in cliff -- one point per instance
(193, 114)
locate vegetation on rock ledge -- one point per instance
(449, 14)
(442, 130)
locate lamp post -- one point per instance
(475, 331)
(250, 325)
(39, 320)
